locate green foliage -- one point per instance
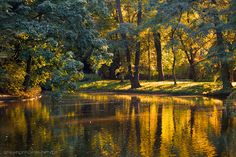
(49, 43)
(66, 77)
(37, 40)
(11, 79)
(99, 59)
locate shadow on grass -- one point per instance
(166, 87)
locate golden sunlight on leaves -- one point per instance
(23, 36)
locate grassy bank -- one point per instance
(153, 87)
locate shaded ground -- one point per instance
(164, 87)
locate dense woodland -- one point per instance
(52, 44)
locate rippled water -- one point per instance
(110, 125)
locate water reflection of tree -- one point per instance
(157, 143)
(136, 128)
(186, 127)
(134, 106)
(192, 113)
(28, 116)
(226, 141)
(25, 125)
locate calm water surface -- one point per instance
(110, 125)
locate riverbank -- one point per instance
(10, 98)
(183, 88)
(32, 94)
(153, 87)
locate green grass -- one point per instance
(164, 87)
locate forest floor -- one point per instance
(154, 87)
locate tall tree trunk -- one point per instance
(173, 50)
(157, 42)
(173, 66)
(192, 71)
(27, 79)
(149, 58)
(191, 60)
(225, 76)
(124, 37)
(136, 83)
(225, 70)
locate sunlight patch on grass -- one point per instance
(165, 87)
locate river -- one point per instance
(124, 125)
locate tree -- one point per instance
(216, 16)
(169, 15)
(124, 38)
(157, 38)
(50, 37)
(157, 41)
(136, 83)
(192, 44)
(134, 78)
